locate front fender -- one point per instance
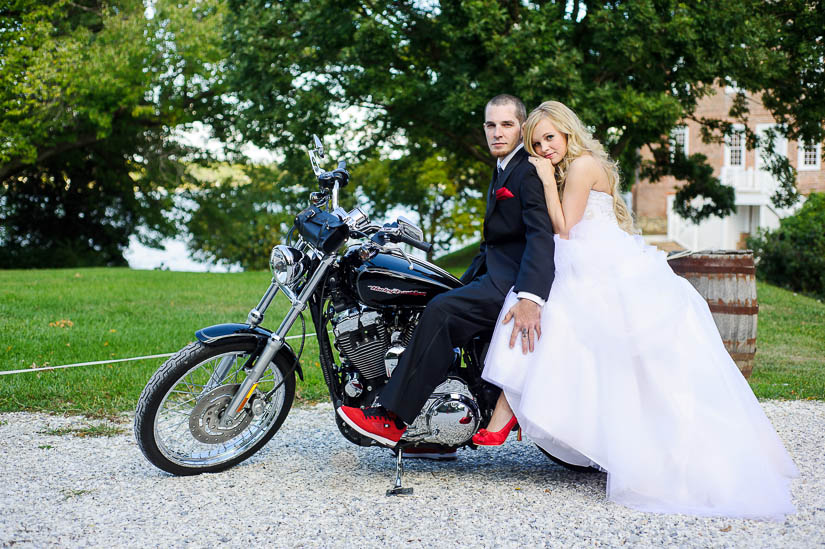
(228, 332)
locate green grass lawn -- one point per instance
(457, 262)
(790, 345)
(55, 317)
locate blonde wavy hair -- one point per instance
(580, 141)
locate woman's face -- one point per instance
(549, 142)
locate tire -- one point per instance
(172, 411)
(577, 468)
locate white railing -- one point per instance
(750, 180)
(754, 188)
(682, 231)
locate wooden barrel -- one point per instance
(727, 281)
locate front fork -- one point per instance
(276, 340)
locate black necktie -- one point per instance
(496, 176)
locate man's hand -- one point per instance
(526, 316)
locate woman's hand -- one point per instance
(545, 169)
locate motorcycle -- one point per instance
(220, 399)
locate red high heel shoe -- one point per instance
(495, 438)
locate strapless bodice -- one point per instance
(599, 208)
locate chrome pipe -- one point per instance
(276, 341)
(256, 315)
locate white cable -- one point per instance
(96, 362)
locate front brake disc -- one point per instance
(205, 419)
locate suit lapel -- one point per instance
(491, 195)
(517, 159)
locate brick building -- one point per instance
(736, 166)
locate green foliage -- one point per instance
(456, 262)
(793, 256)
(444, 196)
(703, 187)
(419, 74)
(239, 213)
(91, 93)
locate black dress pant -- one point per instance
(450, 320)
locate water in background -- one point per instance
(174, 257)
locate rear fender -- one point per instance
(225, 333)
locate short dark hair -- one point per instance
(507, 99)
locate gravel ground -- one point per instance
(310, 488)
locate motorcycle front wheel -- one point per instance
(177, 418)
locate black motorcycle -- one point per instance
(220, 399)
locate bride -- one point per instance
(629, 373)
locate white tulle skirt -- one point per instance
(631, 375)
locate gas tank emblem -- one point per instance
(395, 291)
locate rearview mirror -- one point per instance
(315, 154)
(319, 147)
(410, 229)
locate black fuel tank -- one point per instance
(386, 280)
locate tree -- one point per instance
(92, 93)
(445, 198)
(238, 213)
(793, 255)
(420, 73)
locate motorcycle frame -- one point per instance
(276, 340)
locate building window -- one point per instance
(732, 88)
(735, 149)
(809, 157)
(779, 145)
(679, 137)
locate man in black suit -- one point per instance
(516, 251)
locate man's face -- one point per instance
(502, 129)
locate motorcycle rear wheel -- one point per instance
(577, 468)
(182, 400)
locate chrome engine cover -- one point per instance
(369, 343)
(363, 339)
(450, 416)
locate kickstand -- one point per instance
(397, 490)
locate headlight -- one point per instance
(287, 264)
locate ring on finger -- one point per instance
(524, 332)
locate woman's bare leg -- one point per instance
(501, 414)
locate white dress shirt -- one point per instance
(502, 162)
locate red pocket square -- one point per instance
(503, 194)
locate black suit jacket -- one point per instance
(517, 249)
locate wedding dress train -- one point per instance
(631, 375)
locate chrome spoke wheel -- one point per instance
(178, 421)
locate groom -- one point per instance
(517, 251)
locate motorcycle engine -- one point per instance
(450, 416)
(370, 343)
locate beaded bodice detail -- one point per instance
(599, 208)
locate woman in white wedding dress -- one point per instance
(629, 373)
